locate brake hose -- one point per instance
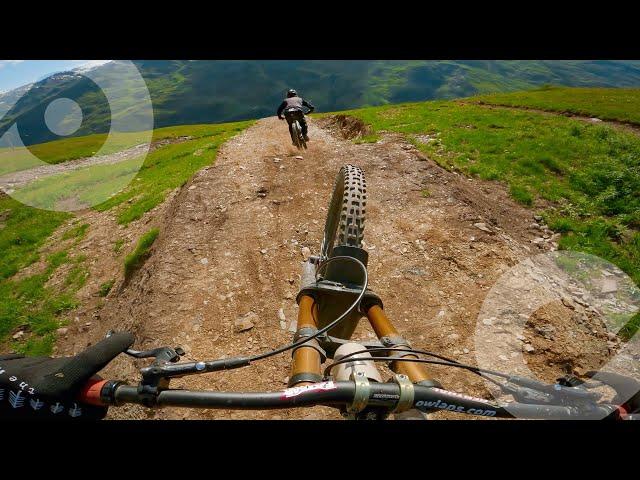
(476, 370)
(330, 325)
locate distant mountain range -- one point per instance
(187, 92)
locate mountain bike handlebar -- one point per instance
(384, 396)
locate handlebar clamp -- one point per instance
(306, 332)
(361, 395)
(407, 393)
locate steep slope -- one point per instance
(231, 243)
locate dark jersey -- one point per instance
(296, 103)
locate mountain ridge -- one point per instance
(195, 91)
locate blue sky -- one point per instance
(15, 73)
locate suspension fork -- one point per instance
(389, 337)
(307, 358)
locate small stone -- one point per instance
(529, 348)
(465, 350)
(537, 240)
(306, 252)
(286, 380)
(62, 331)
(609, 285)
(482, 226)
(567, 302)
(503, 358)
(487, 321)
(204, 261)
(18, 335)
(281, 315)
(263, 251)
(453, 336)
(242, 324)
(192, 187)
(299, 157)
(579, 371)
(537, 218)
(277, 160)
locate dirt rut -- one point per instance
(231, 240)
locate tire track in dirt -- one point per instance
(226, 249)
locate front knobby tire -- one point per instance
(346, 215)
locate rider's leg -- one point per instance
(304, 127)
(290, 122)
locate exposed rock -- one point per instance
(482, 226)
(244, 323)
(609, 285)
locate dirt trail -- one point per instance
(231, 239)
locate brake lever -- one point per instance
(161, 354)
(534, 391)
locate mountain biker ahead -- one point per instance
(292, 108)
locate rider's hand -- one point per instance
(281, 118)
(48, 388)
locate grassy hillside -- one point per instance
(622, 104)
(193, 92)
(28, 304)
(590, 173)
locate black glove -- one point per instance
(627, 389)
(43, 387)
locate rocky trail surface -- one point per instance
(224, 272)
